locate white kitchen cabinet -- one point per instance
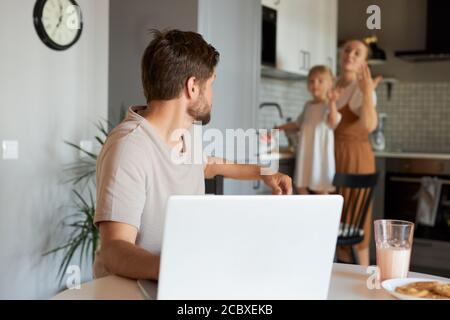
(306, 33)
(287, 33)
(324, 48)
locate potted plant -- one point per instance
(83, 236)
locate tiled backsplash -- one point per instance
(290, 95)
(418, 114)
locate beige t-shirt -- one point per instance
(135, 177)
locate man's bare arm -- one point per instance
(278, 182)
(229, 169)
(120, 254)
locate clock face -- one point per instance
(58, 22)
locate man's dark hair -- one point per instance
(171, 58)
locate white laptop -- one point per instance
(248, 247)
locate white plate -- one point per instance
(391, 284)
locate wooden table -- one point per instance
(348, 282)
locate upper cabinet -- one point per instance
(306, 34)
(326, 46)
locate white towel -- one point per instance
(428, 201)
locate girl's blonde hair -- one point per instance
(320, 69)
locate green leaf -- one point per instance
(102, 128)
(83, 243)
(90, 154)
(102, 142)
(77, 179)
(68, 258)
(78, 195)
(56, 249)
(91, 198)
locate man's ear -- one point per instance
(193, 89)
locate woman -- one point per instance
(356, 104)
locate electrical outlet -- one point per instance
(10, 149)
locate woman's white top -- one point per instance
(352, 95)
(315, 165)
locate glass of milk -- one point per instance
(393, 240)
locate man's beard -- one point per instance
(201, 112)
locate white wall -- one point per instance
(233, 27)
(45, 97)
(129, 24)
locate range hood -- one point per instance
(437, 39)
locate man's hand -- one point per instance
(279, 183)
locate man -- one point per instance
(136, 171)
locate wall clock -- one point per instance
(58, 22)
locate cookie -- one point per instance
(423, 285)
(442, 289)
(426, 289)
(410, 291)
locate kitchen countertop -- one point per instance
(348, 282)
(412, 155)
(287, 154)
(282, 155)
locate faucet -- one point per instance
(272, 104)
(280, 112)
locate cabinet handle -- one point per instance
(303, 60)
(256, 184)
(423, 244)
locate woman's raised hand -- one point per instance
(365, 81)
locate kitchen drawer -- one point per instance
(419, 166)
(431, 254)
